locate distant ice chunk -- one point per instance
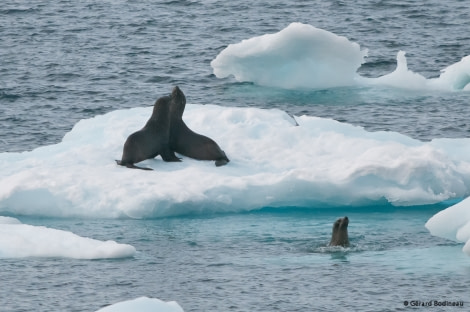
(143, 304)
(453, 223)
(19, 240)
(456, 77)
(402, 77)
(304, 57)
(299, 56)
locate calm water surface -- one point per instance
(272, 260)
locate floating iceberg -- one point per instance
(299, 56)
(304, 57)
(19, 240)
(276, 160)
(143, 304)
(453, 78)
(453, 223)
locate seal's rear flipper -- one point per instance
(132, 166)
(221, 162)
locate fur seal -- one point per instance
(185, 141)
(151, 140)
(340, 236)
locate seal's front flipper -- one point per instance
(170, 156)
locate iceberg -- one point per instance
(302, 56)
(455, 77)
(276, 161)
(453, 223)
(143, 304)
(19, 240)
(299, 56)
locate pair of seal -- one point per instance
(186, 142)
(152, 140)
(340, 237)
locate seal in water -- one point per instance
(151, 140)
(185, 141)
(339, 236)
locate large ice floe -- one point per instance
(143, 304)
(19, 240)
(304, 57)
(276, 160)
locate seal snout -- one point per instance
(176, 91)
(343, 222)
(178, 95)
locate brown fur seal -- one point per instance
(340, 236)
(151, 140)
(186, 142)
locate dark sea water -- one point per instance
(64, 61)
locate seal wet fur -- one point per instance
(151, 140)
(187, 142)
(340, 237)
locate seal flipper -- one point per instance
(222, 161)
(132, 166)
(168, 155)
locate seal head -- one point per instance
(340, 237)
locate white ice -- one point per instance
(19, 240)
(304, 57)
(299, 56)
(143, 304)
(274, 162)
(453, 223)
